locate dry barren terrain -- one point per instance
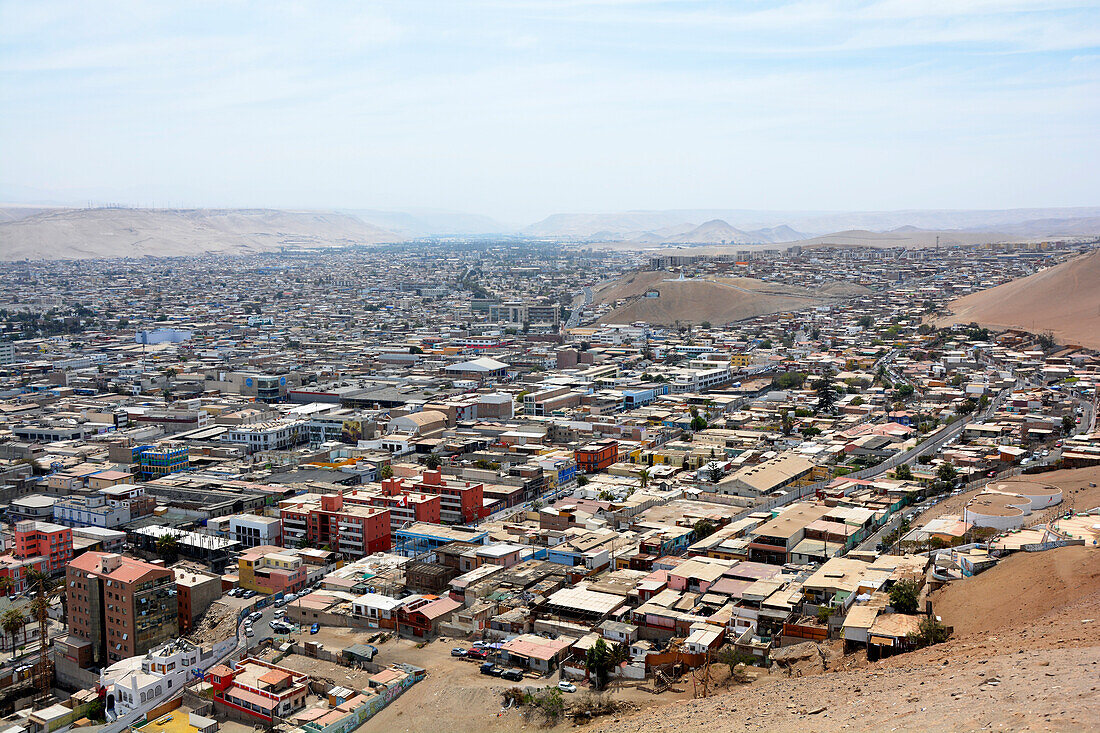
(1064, 299)
(714, 299)
(95, 233)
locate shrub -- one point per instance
(903, 596)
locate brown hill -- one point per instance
(94, 233)
(714, 299)
(1022, 658)
(1043, 583)
(1064, 299)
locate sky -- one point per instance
(521, 108)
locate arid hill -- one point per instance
(694, 300)
(1064, 299)
(94, 233)
(1021, 659)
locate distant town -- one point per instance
(482, 485)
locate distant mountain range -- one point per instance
(665, 226)
(717, 231)
(28, 231)
(105, 233)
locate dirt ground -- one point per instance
(1077, 495)
(1042, 581)
(455, 697)
(1027, 659)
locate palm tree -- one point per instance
(643, 477)
(6, 585)
(167, 546)
(12, 622)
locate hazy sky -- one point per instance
(519, 109)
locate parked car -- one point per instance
(248, 631)
(566, 686)
(477, 654)
(487, 668)
(458, 652)
(512, 674)
(315, 628)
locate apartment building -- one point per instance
(353, 530)
(595, 457)
(40, 546)
(271, 569)
(194, 593)
(118, 607)
(462, 502)
(404, 505)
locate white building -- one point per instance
(266, 436)
(251, 530)
(141, 683)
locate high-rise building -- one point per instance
(118, 607)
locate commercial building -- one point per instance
(252, 530)
(118, 607)
(161, 460)
(595, 457)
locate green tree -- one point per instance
(825, 389)
(12, 622)
(903, 472)
(966, 407)
(698, 423)
(1068, 424)
(702, 529)
(167, 547)
(599, 662)
(930, 631)
(432, 461)
(947, 473)
(905, 391)
(386, 471)
(643, 476)
(904, 595)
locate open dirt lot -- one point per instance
(456, 697)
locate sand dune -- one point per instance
(1064, 299)
(95, 233)
(714, 299)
